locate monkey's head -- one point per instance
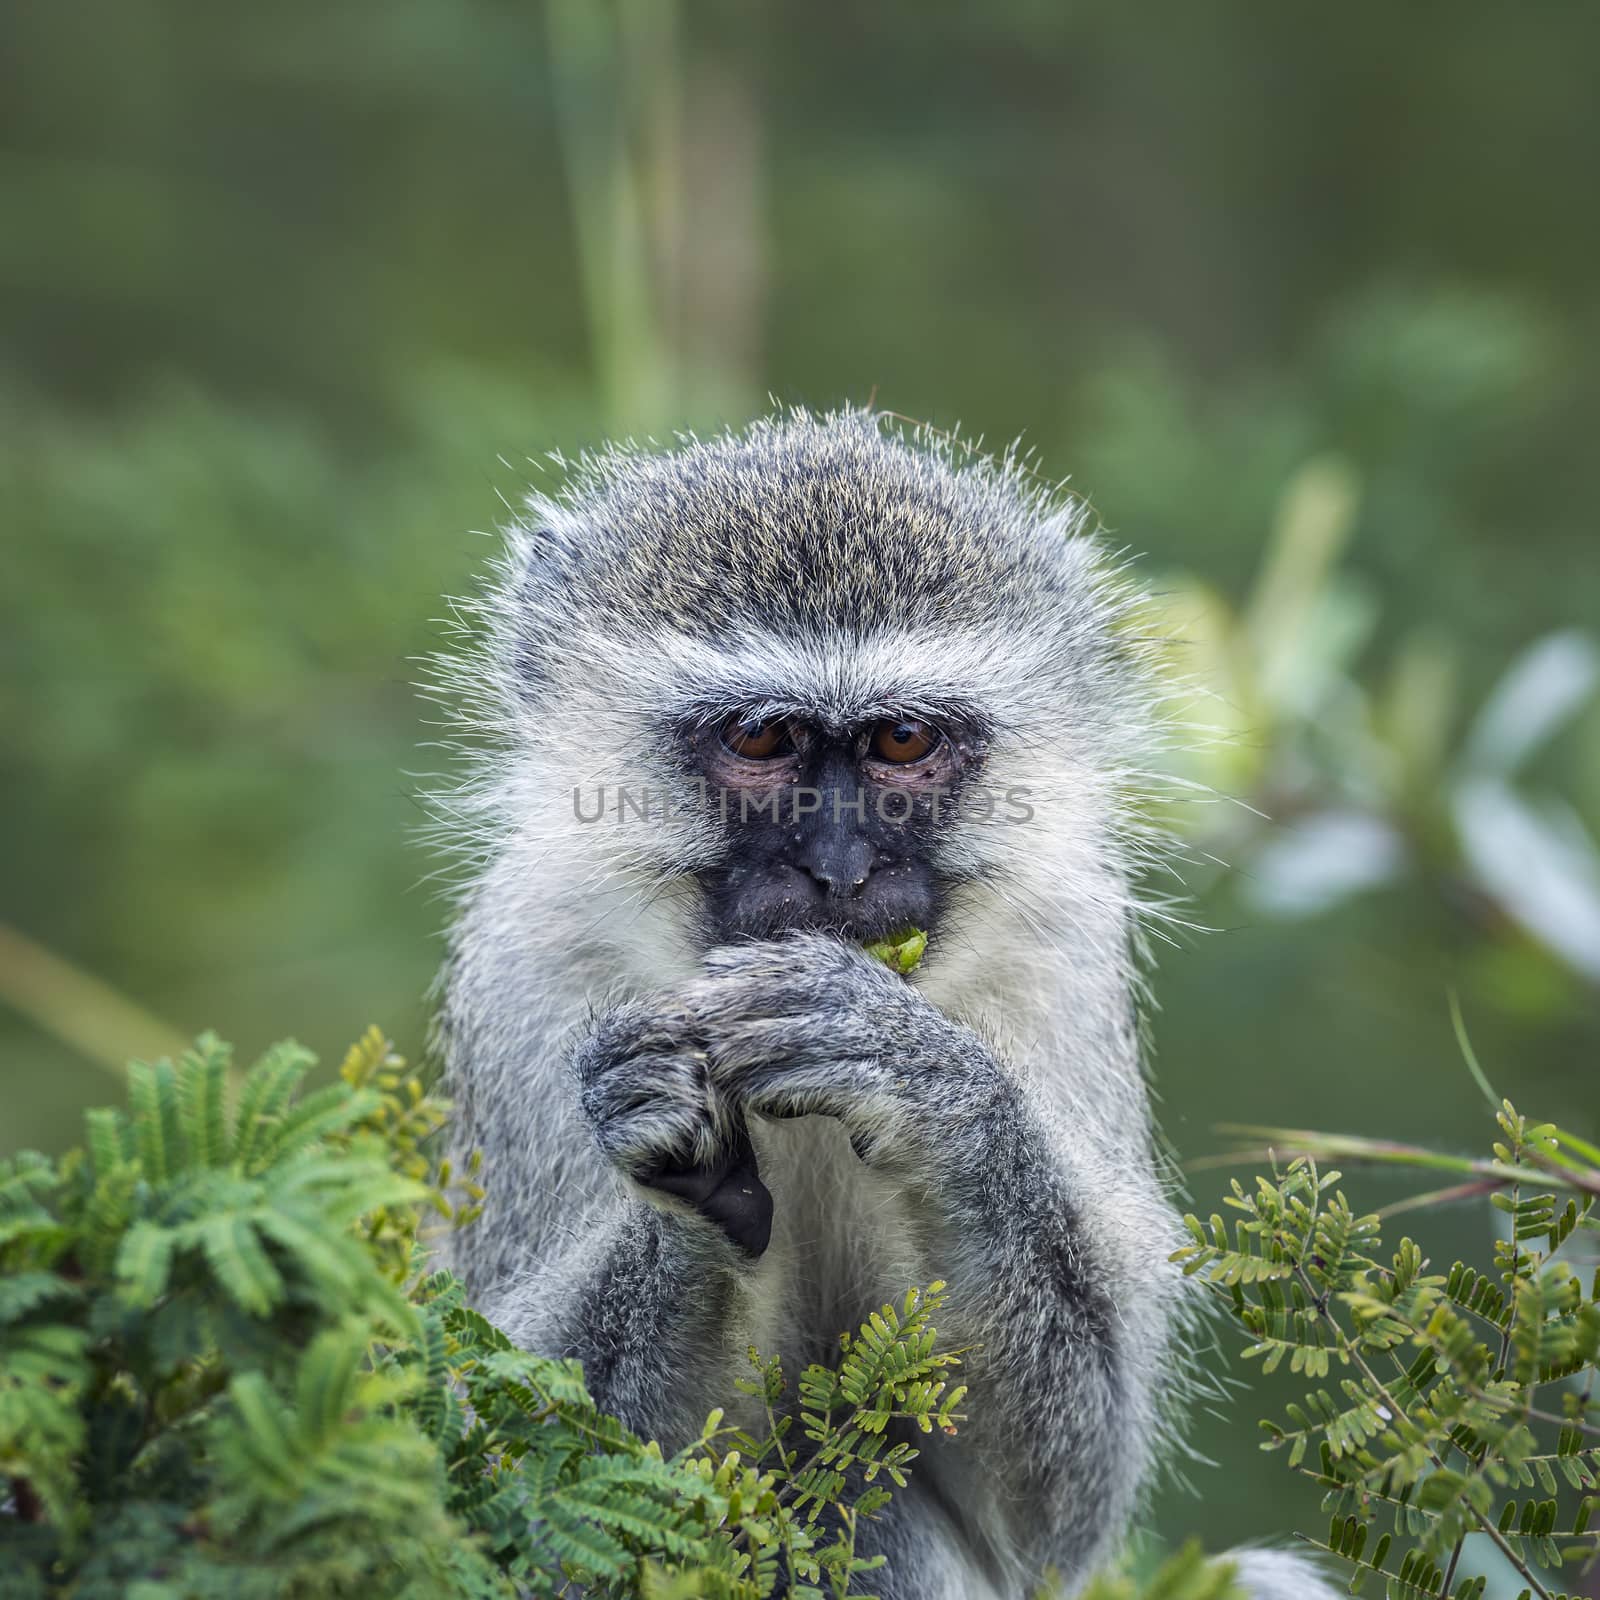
(815, 674)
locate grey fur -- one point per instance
(986, 1123)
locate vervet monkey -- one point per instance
(749, 703)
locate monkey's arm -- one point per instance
(650, 1301)
(637, 1263)
(1037, 1254)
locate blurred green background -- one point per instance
(1304, 298)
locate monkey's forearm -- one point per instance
(650, 1302)
(1061, 1378)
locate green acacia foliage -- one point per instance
(222, 1372)
(1451, 1417)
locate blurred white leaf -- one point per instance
(1542, 689)
(1542, 867)
(1323, 860)
(1333, 630)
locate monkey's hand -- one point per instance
(809, 1024)
(1056, 1250)
(645, 1087)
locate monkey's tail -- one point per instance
(1281, 1575)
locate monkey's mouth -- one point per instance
(749, 904)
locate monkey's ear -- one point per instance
(538, 547)
(540, 539)
(537, 596)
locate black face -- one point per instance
(829, 831)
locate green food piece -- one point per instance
(901, 951)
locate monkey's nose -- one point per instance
(837, 886)
(839, 867)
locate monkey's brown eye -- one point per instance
(903, 740)
(756, 741)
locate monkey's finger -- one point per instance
(831, 1041)
(637, 1028)
(793, 973)
(646, 1108)
(831, 1089)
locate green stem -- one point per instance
(103, 1025)
(596, 56)
(1387, 1152)
(1350, 1349)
